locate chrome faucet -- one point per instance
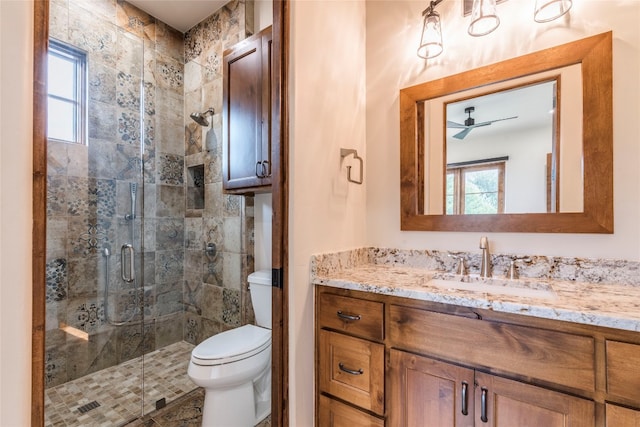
(485, 261)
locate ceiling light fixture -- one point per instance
(484, 20)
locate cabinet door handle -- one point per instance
(266, 168)
(483, 405)
(350, 371)
(350, 317)
(465, 398)
(259, 171)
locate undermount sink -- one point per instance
(526, 288)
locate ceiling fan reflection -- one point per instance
(470, 123)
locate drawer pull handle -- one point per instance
(350, 317)
(465, 409)
(350, 371)
(483, 406)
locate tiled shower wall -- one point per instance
(215, 292)
(137, 74)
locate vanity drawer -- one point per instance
(551, 356)
(352, 315)
(336, 414)
(623, 369)
(352, 369)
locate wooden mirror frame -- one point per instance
(595, 56)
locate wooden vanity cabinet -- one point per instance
(623, 383)
(426, 392)
(246, 115)
(447, 365)
(350, 361)
(335, 414)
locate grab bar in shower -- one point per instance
(127, 249)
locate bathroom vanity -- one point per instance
(395, 347)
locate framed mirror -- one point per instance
(524, 145)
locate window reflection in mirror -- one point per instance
(507, 148)
(475, 187)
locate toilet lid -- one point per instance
(232, 345)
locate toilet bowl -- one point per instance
(234, 367)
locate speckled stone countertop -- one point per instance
(592, 292)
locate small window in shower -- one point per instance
(66, 87)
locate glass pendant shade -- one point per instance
(431, 40)
(548, 10)
(483, 18)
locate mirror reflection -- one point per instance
(504, 148)
(581, 146)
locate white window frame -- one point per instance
(79, 101)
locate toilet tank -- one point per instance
(260, 288)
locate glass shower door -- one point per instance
(97, 300)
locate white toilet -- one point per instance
(234, 367)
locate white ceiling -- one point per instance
(531, 105)
(180, 14)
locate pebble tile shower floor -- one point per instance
(118, 390)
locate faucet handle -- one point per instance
(460, 267)
(513, 271)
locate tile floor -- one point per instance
(186, 411)
(118, 390)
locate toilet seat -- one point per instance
(231, 346)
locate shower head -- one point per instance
(201, 118)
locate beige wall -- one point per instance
(16, 66)
(393, 30)
(327, 107)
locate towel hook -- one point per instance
(344, 152)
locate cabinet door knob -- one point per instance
(350, 371)
(483, 406)
(350, 317)
(465, 398)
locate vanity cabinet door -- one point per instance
(618, 416)
(500, 402)
(623, 375)
(246, 118)
(427, 392)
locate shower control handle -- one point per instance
(127, 249)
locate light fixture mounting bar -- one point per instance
(431, 7)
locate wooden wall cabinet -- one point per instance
(246, 115)
(455, 366)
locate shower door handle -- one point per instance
(127, 249)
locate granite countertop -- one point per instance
(599, 304)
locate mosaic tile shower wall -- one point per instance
(143, 77)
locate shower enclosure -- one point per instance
(146, 256)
